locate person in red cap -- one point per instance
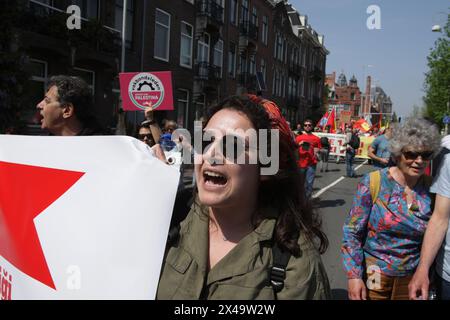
(308, 149)
(225, 248)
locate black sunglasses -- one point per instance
(237, 144)
(411, 155)
(148, 135)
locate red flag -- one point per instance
(323, 121)
(362, 125)
(332, 121)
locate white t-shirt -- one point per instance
(441, 186)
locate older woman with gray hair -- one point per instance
(384, 230)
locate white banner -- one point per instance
(82, 217)
(337, 147)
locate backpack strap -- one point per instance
(279, 266)
(375, 183)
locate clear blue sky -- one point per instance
(397, 51)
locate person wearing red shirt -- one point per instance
(309, 146)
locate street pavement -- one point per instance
(333, 206)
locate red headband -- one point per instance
(277, 121)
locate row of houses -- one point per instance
(214, 48)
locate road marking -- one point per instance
(321, 191)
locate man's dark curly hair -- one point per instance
(75, 91)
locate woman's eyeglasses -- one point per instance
(411, 155)
(149, 136)
(232, 146)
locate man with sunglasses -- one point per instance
(309, 146)
(149, 131)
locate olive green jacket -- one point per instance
(243, 273)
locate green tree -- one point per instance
(437, 81)
(394, 117)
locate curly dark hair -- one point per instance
(74, 90)
(283, 191)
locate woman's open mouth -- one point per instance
(214, 178)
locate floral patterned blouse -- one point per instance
(387, 233)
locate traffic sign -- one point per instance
(446, 120)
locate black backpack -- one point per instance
(183, 203)
(325, 142)
(354, 141)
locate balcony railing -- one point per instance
(206, 71)
(210, 9)
(247, 80)
(248, 29)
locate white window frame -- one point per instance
(252, 65)
(168, 38)
(265, 29)
(217, 50)
(234, 8)
(186, 112)
(263, 69)
(245, 8)
(91, 86)
(208, 45)
(192, 45)
(202, 106)
(40, 79)
(254, 17)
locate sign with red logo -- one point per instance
(139, 89)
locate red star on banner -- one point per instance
(26, 191)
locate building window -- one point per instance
(255, 16)
(162, 35)
(203, 55)
(203, 48)
(186, 44)
(232, 60)
(200, 107)
(302, 86)
(183, 108)
(242, 64)
(244, 11)
(277, 83)
(218, 56)
(290, 88)
(233, 12)
(86, 75)
(118, 19)
(36, 86)
(252, 66)
(89, 8)
(265, 29)
(263, 69)
(279, 47)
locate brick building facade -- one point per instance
(214, 48)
